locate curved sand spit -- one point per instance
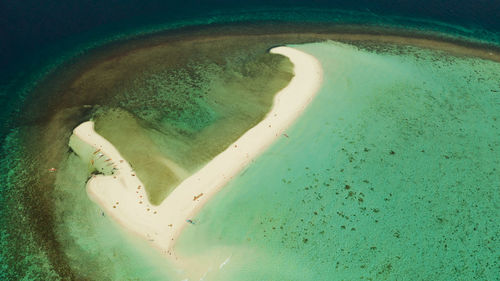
(122, 195)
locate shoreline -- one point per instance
(122, 195)
(62, 80)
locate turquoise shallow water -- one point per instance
(391, 174)
(34, 233)
(95, 246)
(298, 221)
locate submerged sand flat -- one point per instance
(122, 195)
(186, 102)
(64, 241)
(390, 174)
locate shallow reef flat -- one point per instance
(185, 103)
(391, 173)
(401, 121)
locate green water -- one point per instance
(391, 174)
(138, 117)
(185, 102)
(63, 235)
(92, 240)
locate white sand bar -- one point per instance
(122, 195)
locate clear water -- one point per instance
(62, 235)
(92, 239)
(391, 174)
(185, 101)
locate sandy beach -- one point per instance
(122, 195)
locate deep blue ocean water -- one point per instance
(35, 34)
